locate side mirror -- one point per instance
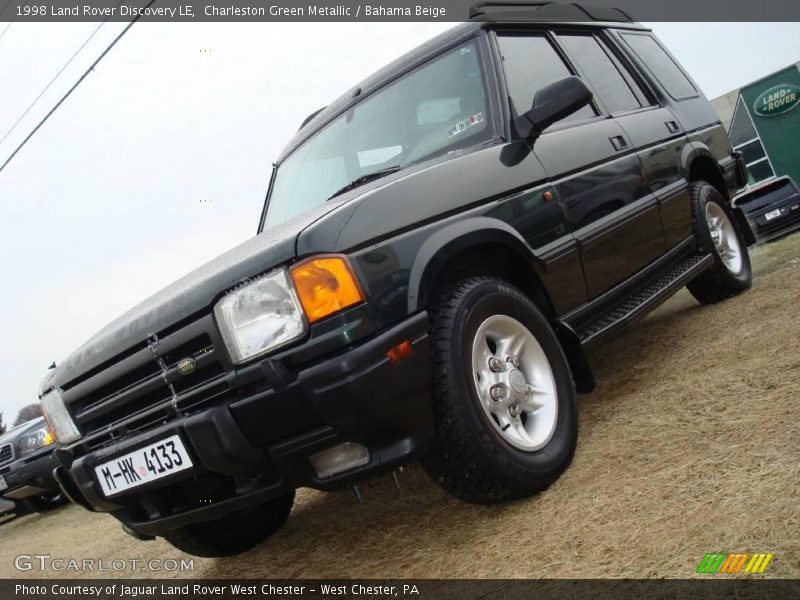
(556, 101)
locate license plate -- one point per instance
(143, 466)
(3, 484)
(773, 214)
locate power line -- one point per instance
(11, 22)
(74, 87)
(71, 58)
(35, 100)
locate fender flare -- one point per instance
(460, 236)
(696, 150)
(457, 237)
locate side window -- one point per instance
(602, 74)
(530, 62)
(661, 64)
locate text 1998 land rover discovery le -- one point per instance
(437, 250)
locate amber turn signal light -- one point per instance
(402, 351)
(325, 285)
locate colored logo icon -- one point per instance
(777, 100)
(732, 563)
(186, 366)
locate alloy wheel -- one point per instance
(514, 383)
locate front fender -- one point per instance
(457, 237)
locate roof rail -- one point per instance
(545, 11)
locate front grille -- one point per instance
(6, 453)
(144, 387)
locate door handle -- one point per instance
(619, 142)
(672, 126)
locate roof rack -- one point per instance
(545, 11)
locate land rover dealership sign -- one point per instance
(777, 100)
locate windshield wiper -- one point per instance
(364, 179)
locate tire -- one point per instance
(713, 220)
(43, 504)
(234, 533)
(474, 458)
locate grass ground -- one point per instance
(688, 445)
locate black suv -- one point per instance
(27, 462)
(437, 250)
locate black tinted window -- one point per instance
(662, 66)
(530, 63)
(603, 75)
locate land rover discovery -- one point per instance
(438, 249)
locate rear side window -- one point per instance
(604, 77)
(530, 63)
(661, 64)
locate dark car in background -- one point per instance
(439, 249)
(772, 208)
(26, 467)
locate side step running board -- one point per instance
(644, 300)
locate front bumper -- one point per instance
(30, 476)
(254, 447)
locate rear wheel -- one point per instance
(504, 398)
(234, 533)
(717, 231)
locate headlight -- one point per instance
(58, 417)
(33, 441)
(260, 316)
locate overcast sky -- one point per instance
(160, 160)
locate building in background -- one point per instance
(763, 122)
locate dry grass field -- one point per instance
(690, 444)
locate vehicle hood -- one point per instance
(191, 294)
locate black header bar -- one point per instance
(395, 10)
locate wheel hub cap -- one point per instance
(723, 235)
(517, 383)
(514, 382)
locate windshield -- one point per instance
(438, 108)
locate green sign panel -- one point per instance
(777, 100)
(779, 134)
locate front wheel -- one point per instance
(234, 533)
(506, 415)
(717, 231)
(42, 504)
